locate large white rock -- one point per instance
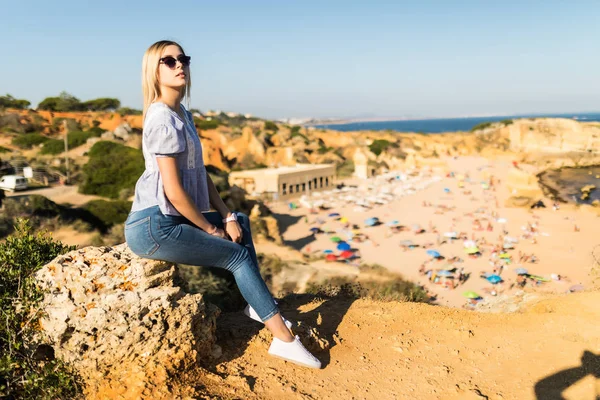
(122, 323)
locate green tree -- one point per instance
(379, 145)
(101, 104)
(111, 168)
(271, 126)
(64, 102)
(10, 102)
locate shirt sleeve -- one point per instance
(164, 140)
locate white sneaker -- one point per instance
(249, 311)
(293, 352)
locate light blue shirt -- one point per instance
(165, 134)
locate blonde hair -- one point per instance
(150, 81)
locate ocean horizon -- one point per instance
(440, 125)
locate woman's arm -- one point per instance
(215, 198)
(177, 195)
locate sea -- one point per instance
(445, 124)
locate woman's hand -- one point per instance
(218, 232)
(234, 230)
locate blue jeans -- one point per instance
(151, 234)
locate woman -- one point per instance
(169, 219)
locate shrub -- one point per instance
(10, 102)
(24, 372)
(109, 212)
(58, 124)
(4, 150)
(204, 125)
(345, 169)
(53, 146)
(28, 140)
(101, 104)
(379, 145)
(111, 168)
(128, 111)
(482, 126)
(271, 126)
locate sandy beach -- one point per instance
(459, 197)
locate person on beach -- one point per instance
(170, 218)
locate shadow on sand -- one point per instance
(552, 386)
(235, 330)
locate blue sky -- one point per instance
(316, 58)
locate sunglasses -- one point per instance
(171, 62)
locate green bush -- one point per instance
(53, 146)
(128, 111)
(345, 169)
(4, 150)
(109, 212)
(482, 126)
(28, 140)
(101, 104)
(204, 125)
(379, 145)
(75, 139)
(10, 102)
(111, 168)
(271, 126)
(24, 373)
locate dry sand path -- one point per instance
(415, 351)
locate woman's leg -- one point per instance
(176, 241)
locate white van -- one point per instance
(13, 182)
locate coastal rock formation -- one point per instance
(553, 135)
(123, 323)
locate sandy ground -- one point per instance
(374, 350)
(559, 248)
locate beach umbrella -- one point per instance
(504, 256)
(539, 278)
(576, 288)
(416, 227)
(331, 257)
(406, 243)
(471, 295)
(508, 246)
(434, 253)
(472, 250)
(343, 246)
(347, 254)
(335, 239)
(315, 229)
(371, 221)
(493, 279)
(521, 271)
(327, 251)
(333, 215)
(501, 220)
(343, 220)
(393, 223)
(452, 235)
(469, 243)
(446, 190)
(510, 239)
(444, 272)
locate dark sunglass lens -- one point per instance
(184, 60)
(169, 62)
